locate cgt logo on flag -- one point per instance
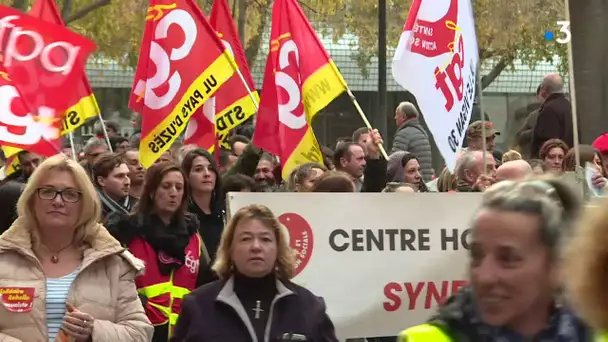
(436, 60)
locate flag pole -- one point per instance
(576, 141)
(365, 121)
(483, 120)
(105, 133)
(253, 99)
(71, 137)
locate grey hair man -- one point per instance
(470, 175)
(555, 115)
(413, 138)
(514, 170)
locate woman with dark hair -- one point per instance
(207, 200)
(553, 153)
(412, 173)
(165, 236)
(588, 154)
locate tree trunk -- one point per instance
(20, 4)
(494, 73)
(590, 58)
(242, 19)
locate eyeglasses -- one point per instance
(67, 195)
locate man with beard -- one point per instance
(111, 178)
(264, 176)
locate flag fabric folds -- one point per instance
(437, 60)
(182, 64)
(299, 81)
(85, 105)
(233, 104)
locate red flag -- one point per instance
(233, 104)
(21, 130)
(300, 80)
(200, 130)
(181, 65)
(42, 59)
(85, 105)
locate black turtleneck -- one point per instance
(256, 293)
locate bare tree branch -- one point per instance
(234, 8)
(85, 11)
(19, 4)
(67, 9)
(495, 72)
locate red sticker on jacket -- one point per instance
(17, 299)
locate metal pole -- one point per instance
(381, 116)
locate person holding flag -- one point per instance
(300, 80)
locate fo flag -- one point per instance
(43, 60)
(300, 80)
(181, 65)
(84, 105)
(233, 104)
(436, 61)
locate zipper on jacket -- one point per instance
(270, 314)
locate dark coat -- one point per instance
(208, 317)
(525, 134)
(10, 192)
(554, 122)
(412, 137)
(374, 175)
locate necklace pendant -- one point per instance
(54, 259)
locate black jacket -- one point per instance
(205, 318)
(10, 192)
(554, 122)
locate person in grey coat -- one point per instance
(412, 137)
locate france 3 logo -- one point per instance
(563, 35)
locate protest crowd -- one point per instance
(178, 233)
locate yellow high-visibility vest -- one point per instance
(424, 333)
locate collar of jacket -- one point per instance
(409, 122)
(463, 186)
(229, 297)
(99, 244)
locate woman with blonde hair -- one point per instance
(254, 300)
(72, 280)
(515, 258)
(510, 156)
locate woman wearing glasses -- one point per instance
(62, 275)
(514, 269)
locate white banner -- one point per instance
(382, 262)
(436, 60)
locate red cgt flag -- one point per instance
(300, 80)
(42, 60)
(181, 65)
(233, 104)
(85, 105)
